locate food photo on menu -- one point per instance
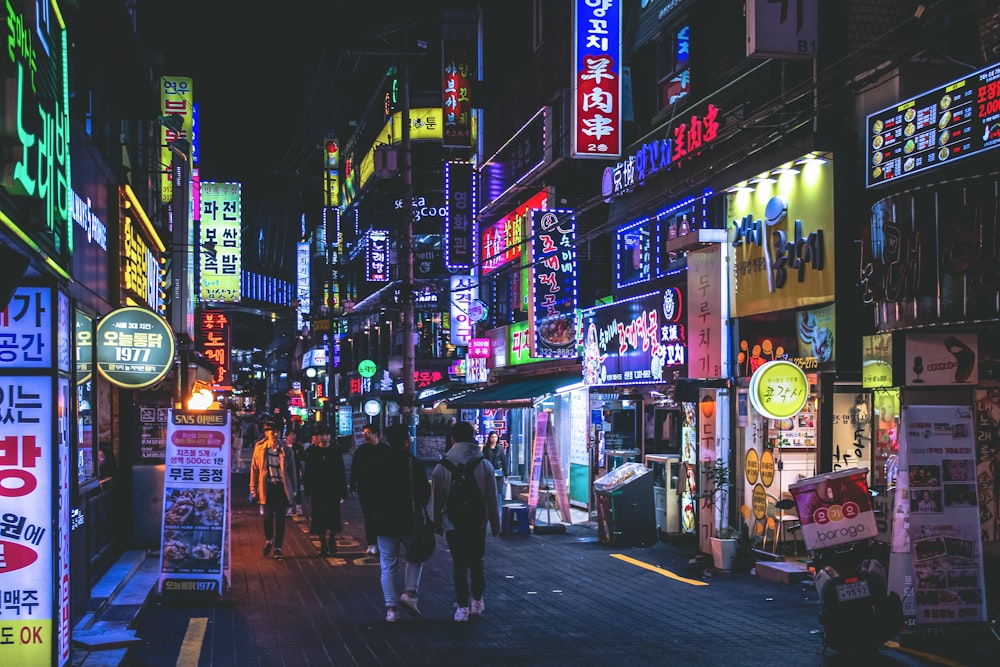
(191, 550)
(194, 507)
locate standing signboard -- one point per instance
(195, 540)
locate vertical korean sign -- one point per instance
(214, 341)
(377, 256)
(946, 550)
(707, 337)
(30, 450)
(553, 248)
(221, 219)
(460, 228)
(464, 291)
(195, 502)
(176, 98)
(596, 75)
(458, 66)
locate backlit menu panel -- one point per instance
(953, 121)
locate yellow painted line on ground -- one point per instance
(926, 656)
(191, 646)
(659, 570)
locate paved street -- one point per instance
(550, 600)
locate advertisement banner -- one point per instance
(942, 359)
(176, 98)
(459, 74)
(596, 76)
(195, 502)
(461, 231)
(707, 336)
(988, 461)
(834, 508)
(944, 519)
(553, 255)
(221, 224)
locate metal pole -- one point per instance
(406, 246)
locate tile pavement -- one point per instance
(557, 599)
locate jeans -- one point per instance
(388, 553)
(468, 548)
(274, 515)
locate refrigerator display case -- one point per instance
(666, 497)
(625, 514)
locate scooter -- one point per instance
(857, 611)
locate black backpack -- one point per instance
(465, 505)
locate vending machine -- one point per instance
(666, 492)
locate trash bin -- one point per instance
(625, 513)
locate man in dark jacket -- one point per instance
(467, 544)
(325, 486)
(364, 466)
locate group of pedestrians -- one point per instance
(393, 489)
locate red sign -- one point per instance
(459, 62)
(502, 240)
(214, 341)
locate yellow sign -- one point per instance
(752, 466)
(767, 468)
(778, 389)
(221, 222)
(176, 98)
(781, 240)
(759, 502)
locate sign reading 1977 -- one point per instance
(954, 121)
(134, 347)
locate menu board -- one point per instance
(953, 121)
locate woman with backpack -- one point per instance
(465, 498)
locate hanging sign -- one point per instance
(367, 368)
(134, 347)
(778, 389)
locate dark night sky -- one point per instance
(269, 83)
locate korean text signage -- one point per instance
(953, 121)
(852, 429)
(938, 463)
(778, 243)
(195, 502)
(521, 351)
(176, 98)
(635, 341)
(140, 267)
(779, 30)
(377, 256)
(214, 341)
(835, 508)
(221, 220)
(778, 389)
(35, 117)
(688, 137)
(28, 624)
(459, 64)
(502, 240)
(464, 290)
(596, 76)
(707, 333)
(460, 228)
(553, 247)
(134, 347)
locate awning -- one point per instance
(454, 391)
(516, 393)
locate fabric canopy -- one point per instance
(516, 393)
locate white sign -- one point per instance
(464, 291)
(942, 359)
(786, 30)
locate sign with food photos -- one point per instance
(553, 252)
(194, 542)
(596, 75)
(221, 221)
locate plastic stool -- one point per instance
(514, 520)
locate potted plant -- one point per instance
(731, 547)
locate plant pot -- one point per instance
(723, 553)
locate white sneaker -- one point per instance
(409, 603)
(391, 615)
(461, 614)
(476, 607)
(372, 549)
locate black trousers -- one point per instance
(468, 548)
(274, 514)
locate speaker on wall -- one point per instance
(13, 266)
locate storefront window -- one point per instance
(86, 469)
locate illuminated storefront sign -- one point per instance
(303, 288)
(778, 389)
(221, 221)
(459, 60)
(176, 97)
(553, 248)
(779, 235)
(35, 116)
(950, 122)
(501, 242)
(134, 347)
(461, 231)
(479, 348)
(520, 349)
(596, 77)
(634, 256)
(214, 340)
(635, 341)
(26, 327)
(377, 256)
(464, 290)
(140, 268)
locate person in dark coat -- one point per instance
(326, 487)
(364, 468)
(398, 485)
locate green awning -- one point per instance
(516, 393)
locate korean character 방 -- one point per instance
(11, 525)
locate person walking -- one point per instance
(273, 483)
(464, 500)
(399, 488)
(495, 452)
(293, 440)
(325, 486)
(364, 468)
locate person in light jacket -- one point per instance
(273, 483)
(467, 545)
